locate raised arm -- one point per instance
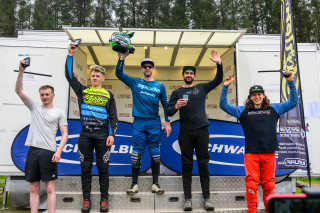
(128, 80)
(19, 84)
(219, 76)
(293, 100)
(224, 105)
(73, 81)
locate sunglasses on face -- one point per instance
(73, 47)
(147, 66)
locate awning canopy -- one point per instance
(167, 47)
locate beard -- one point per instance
(188, 80)
(147, 75)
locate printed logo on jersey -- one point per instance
(97, 97)
(147, 87)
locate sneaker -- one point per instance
(187, 206)
(86, 207)
(156, 188)
(133, 189)
(104, 206)
(207, 205)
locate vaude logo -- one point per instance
(126, 115)
(76, 112)
(73, 99)
(233, 101)
(107, 86)
(124, 96)
(83, 81)
(212, 106)
(79, 66)
(174, 87)
(295, 162)
(228, 68)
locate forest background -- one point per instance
(256, 16)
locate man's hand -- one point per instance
(21, 68)
(124, 55)
(72, 49)
(56, 157)
(180, 103)
(291, 75)
(229, 80)
(110, 140)
(167, 128)
(215, 57)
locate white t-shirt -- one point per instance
(44, 125)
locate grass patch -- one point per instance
(306, 180)
(8, 206)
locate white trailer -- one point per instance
(171, 49)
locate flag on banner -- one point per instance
(293, 151)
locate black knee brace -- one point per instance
(136, 160)
(155, 159)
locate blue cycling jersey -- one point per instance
(145, 94)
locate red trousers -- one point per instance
(259, 168)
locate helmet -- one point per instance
(120, 42)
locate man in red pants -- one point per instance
(259, 119)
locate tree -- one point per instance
(7, 17)
(302, 20)
(24, 14)
(102, 14)
(165, 16)
(82, 12)
(180, 15)
(204, 14)
(315, 19)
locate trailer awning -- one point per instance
(167, 47)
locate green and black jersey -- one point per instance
(97, 106)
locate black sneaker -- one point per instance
(86, 207)
(104, 206)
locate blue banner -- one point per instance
(226, 150)
(120, 157)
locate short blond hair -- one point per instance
(98, 68)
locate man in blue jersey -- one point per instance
(147, 130)
(259, 119)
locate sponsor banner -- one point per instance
(226, 150)
(120, 157)
(292, 140)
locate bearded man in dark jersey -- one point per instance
(193, 128)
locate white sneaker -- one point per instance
(156, 188)
(133, 189)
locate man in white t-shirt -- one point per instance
(43, 155)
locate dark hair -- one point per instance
(47, 87)
(250, 106)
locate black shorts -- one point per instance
(39, 165)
